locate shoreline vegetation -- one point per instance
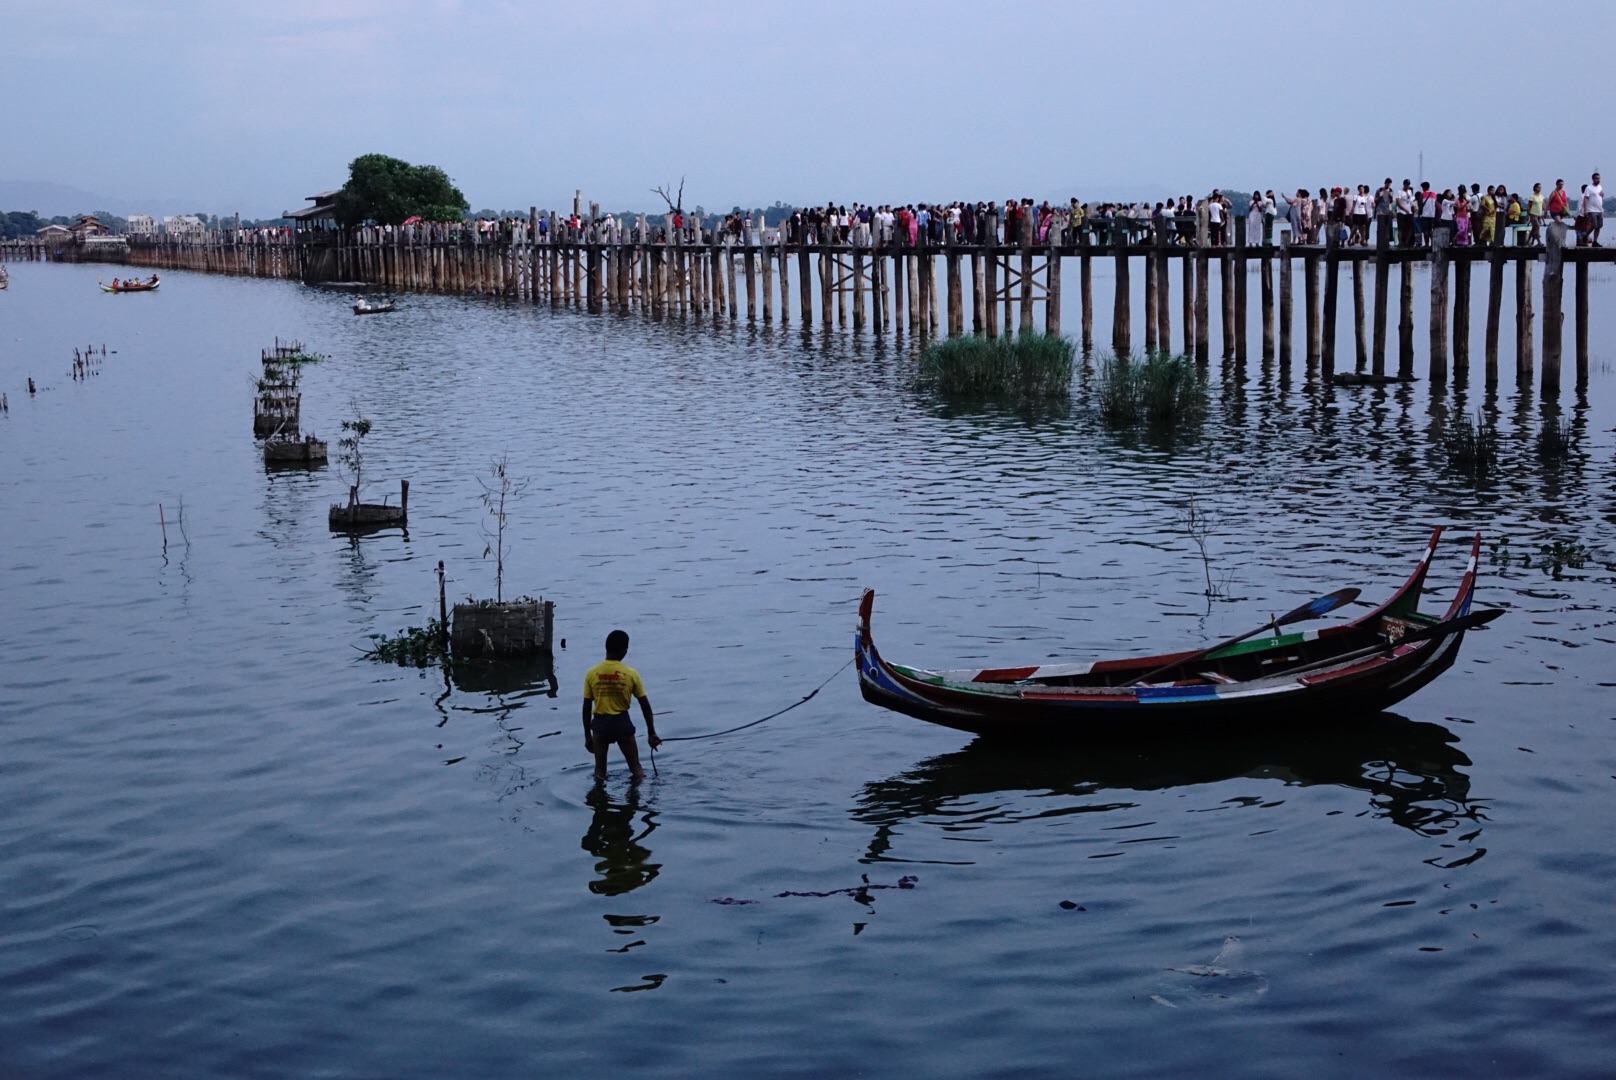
(1035, 367)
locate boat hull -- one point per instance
(1336, 681)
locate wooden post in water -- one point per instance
(1151, 303)
(1188, 313)
(1495, 304)
(1523, 322)
(978, 314)
(1285, 321)
(1332, 273)
(1027, 231)
(1405, 317)
(1164, 294)
(1240, 288)
(1553, 313)
(1461, 318)
(1383, 250)
(766, 256)
(1085, 283)
(956, 303)
(917, 314)
(1226, 285)
(785, 279)
(1265, 280)
(827, 286)
(1121, 312)
(1439, 305)
(1582, 323)
(1359, 328)
(1203, 306)
(805, 283)
(749, 253)
(858, 290)
(1052, 298)
(991, 293)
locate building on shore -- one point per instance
(87, 225)
(184, 225)
(322, 215)
(142, 225)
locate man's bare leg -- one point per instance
(631, 754)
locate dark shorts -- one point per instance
(611, 727)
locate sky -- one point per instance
(229, 107)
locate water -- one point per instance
(235, 848)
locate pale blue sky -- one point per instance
(252, 107)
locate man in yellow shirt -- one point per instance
(608, 686)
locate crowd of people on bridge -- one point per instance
(1414, 217)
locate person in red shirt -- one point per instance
(1558, 200)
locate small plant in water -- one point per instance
(1162, 389)
(414, 646)
(500, 488)
(1471, 447)
(1033, 366)
(351, 458)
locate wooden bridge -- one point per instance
(1000, 288)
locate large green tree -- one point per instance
(386, 190)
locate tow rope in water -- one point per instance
(801, 701)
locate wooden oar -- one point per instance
(1311, 610)
(1424, 633)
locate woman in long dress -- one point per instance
(1254, 219)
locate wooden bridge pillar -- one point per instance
(1495, 304)
(1121, 312)
(1052, 301)
(1383, 247)
(1332, 274)
(956, 303)
(990, 293)
(1285, 299)
(1439, 305)
(1227, 286)
(1553, 313)
(1405, 317)
(1240, 288)
(1461, 319)
(1152, 302)
(858, 291)
(1524, 346)
(1085, 278)
(1203, 306)
(1582, 323)
(1310, 301)
(1359, 327)
(1188, 310)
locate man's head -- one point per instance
(616, 645)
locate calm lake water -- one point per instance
(235, 848)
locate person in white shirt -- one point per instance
(1405, 215)
(1593, 204)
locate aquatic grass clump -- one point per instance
(1033, 366)
(414, 646)
(1471, 447)
(1554, 440)
(1161, 389)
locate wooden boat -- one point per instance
(364, 308)
(132, 286)
(1362, 666)
(5, 277)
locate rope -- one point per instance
(771, 716)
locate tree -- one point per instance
(387, 191)
(351, 463)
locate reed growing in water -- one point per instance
(1036, 366)
(1471, 447)
(1161, 389)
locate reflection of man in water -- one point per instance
(622, 866)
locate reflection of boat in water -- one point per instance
(1355, 668)
(1410, 771)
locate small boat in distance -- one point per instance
(1356, 668)
(117, 286)
(5, 278)
(364, 307)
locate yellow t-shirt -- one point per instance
(610, 684)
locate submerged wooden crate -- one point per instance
(306, 451)
(364, 517)
(512, 628)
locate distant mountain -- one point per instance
(52, 200)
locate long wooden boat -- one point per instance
(132, 286)
(363, 308)
(1362, 666)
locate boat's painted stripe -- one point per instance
(1174, 693)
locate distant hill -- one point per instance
(51, 200)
